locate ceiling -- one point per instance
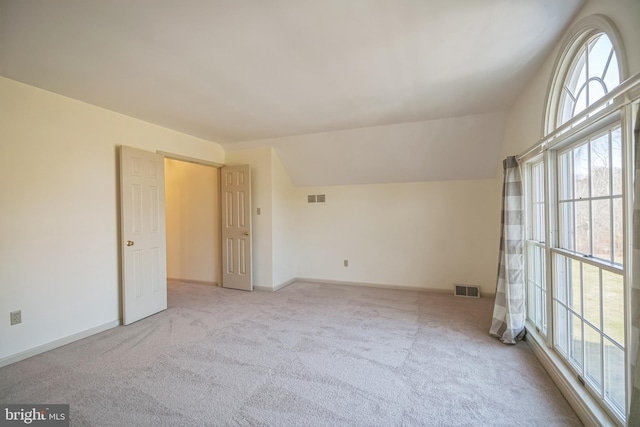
(246, 73)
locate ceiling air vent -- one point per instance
(466, 290)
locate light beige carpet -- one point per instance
(308, 355)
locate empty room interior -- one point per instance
(341, 212)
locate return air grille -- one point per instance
(466, 290)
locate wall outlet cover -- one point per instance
(15, 317)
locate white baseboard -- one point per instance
(363, 284)
(276, 287)
(200, 282)
(284, 284)
(58, 343)
(587, 409)
(375, 285)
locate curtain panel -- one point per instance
(509, 309)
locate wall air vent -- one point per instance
(320, 198)
(311, 198)
(466, 290)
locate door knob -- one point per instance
(246, 233)
(130, 243)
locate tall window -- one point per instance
(535, 249)
(588, 297)
(580, 289)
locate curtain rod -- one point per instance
(622, 89)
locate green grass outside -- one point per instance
(612, 321)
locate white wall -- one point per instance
(285, 245)
(192, 209)
(427, 235)
(59, 211)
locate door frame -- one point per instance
(172, 156)
(218, 167)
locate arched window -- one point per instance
(576, 197)
(590, 66)
(592, 75)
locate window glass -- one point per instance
(593, 73)
(589, 188)
(586, 213)
(535, 251)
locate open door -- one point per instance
(236, 227)
(144, 261)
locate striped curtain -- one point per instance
(509, 309)
(634, 412)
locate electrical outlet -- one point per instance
(346, 263)
(16, 317)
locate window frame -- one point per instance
(594, 131)
(618, 106)
(552, 246)
(533, 241)
(572, 44)
(608, 129)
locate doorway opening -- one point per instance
(192, 207)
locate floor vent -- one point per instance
(466, 290)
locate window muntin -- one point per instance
(590, 197)
(588, 268)
(588, 305)
(593, 73)
(585, 266)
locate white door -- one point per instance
(236, 227)
(144, 262)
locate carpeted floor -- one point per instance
(308, 355)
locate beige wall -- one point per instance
(427, 235)
(285, 244)
(59, 211)
(193, 238)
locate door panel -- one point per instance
(144, 270)
(236, 227)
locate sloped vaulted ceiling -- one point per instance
(364, 85)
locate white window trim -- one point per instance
(588, 409)
(582, 401)
(626, 93)
(528, 192)
(571, 44)
(619, 104)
